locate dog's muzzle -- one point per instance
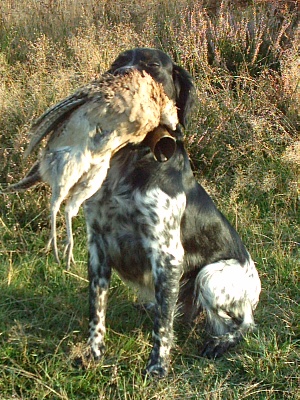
(125, 70)
(161, 143)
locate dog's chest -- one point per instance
(135, 226)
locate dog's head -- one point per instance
(177, 82)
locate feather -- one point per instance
(85, 130)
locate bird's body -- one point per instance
(86, 130)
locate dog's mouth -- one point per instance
(161, 143)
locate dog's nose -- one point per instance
(124, 70)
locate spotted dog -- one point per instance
(159, 229)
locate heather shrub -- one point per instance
(243, 142)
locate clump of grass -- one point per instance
(243, 141)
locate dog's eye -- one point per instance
(153, 65)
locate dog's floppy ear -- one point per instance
(185, 93)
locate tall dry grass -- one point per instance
(241, 57)
(243, 141)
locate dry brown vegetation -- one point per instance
(244, 143)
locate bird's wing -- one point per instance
(56, 114)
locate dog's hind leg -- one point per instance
(228, 292)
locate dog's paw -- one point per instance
(217, 346)
(145, 307)
(156, 371)
(82, 356)
(96, 352)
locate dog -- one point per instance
(85, 130)
(159, 229)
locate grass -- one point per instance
(243, 142)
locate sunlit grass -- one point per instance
(243, 141)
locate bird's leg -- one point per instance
(57, 197)
(52, 241)
(68, 251)
(88, 185)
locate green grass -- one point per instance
(243, 142)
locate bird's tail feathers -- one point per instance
(32, 178)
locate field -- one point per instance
(243, 141)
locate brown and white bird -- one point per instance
(86, 129)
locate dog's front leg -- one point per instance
(99, 280)
(166, 293)
(165, 251)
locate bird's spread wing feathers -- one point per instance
(104, 88)
(56, 114)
